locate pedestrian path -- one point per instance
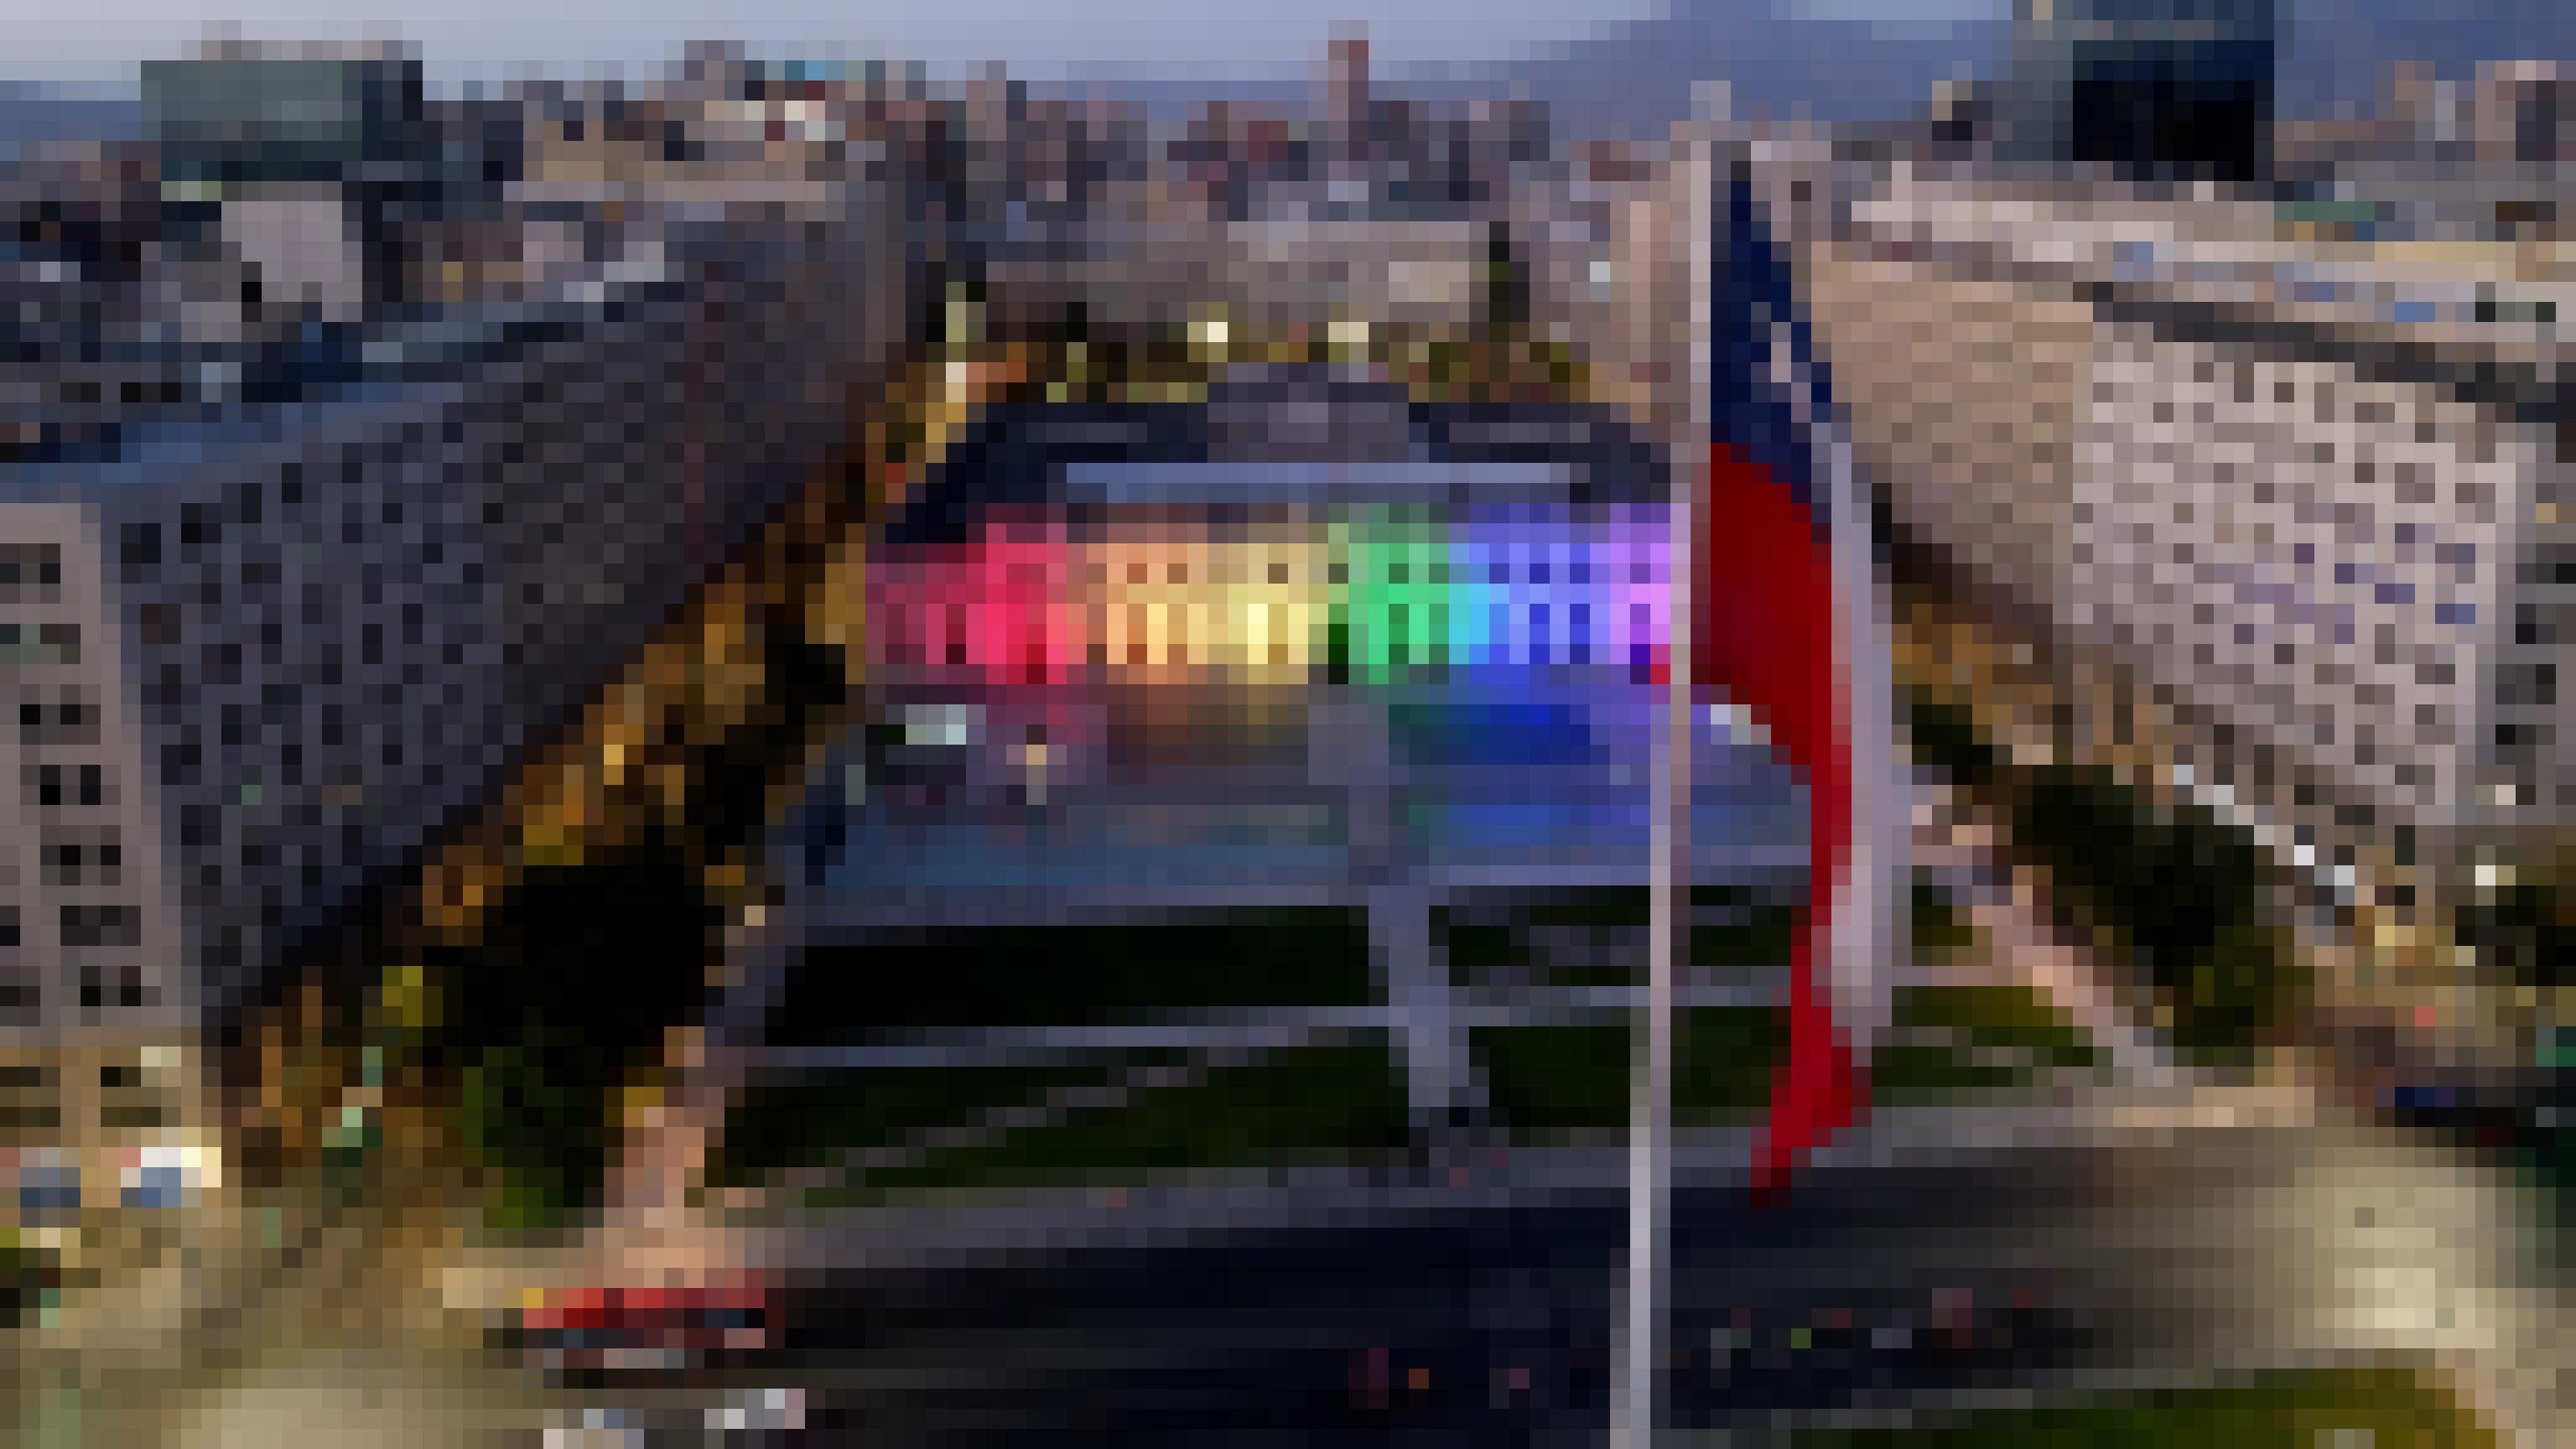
(1961, 850)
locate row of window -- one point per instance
(55, 786)
(31, 573)
(85, 926)
(56, 643)
(125, 983)
(71, 720)
(73, 863)
(129, 1097)
(100, 988)
(198, 526)
(82, 926)
(2139, 367)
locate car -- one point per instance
(645, 1327)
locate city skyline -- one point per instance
(97, 49)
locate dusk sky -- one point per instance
(96, 43)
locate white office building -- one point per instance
(2352, 582)
(257, 663)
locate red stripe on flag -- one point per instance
(1765, 634)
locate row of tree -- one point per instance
(2181, 901)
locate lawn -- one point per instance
(1482, 950)
(1301, 1106)
(1545, 1082)
(2375, 1408)
(1942, 934)
(1080, 974)
(811, 1120)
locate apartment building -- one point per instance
(2290, 528)
(259, 663)
(2353, 580)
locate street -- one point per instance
(2146, 1252)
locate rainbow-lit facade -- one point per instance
(1379, 595)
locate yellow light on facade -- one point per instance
(1269, 608)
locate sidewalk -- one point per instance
(1960, 848)
(256, 1279)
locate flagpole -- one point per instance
(1637, 1401)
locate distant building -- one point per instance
(2521, 113)
(1347, 118)
(2151, 88)
(1346, 98)
(233, 118)
(1961, 112)
(317, 158)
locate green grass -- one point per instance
(1313, 1105)
(1479, 949)
(1297, 1107)
(2172, 895)
(2290, 1409)
(543, 1143)
(1545, 1082)
(2013, 1017)
(1942, 934)
(1761, 938)
(811, 1121)
(1082, 975)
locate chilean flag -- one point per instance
(1787, 629)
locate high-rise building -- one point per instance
(257, 664)
(2521, 114)
(2314, 554)
(1349, 109)
(304, 165)
(2153, 88)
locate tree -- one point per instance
(562, 1002)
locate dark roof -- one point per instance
(1015, 452)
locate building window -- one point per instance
(90, 926)
(49, 787)
(142, 547)
(60, 643)
(93, 785)
(31, 573)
